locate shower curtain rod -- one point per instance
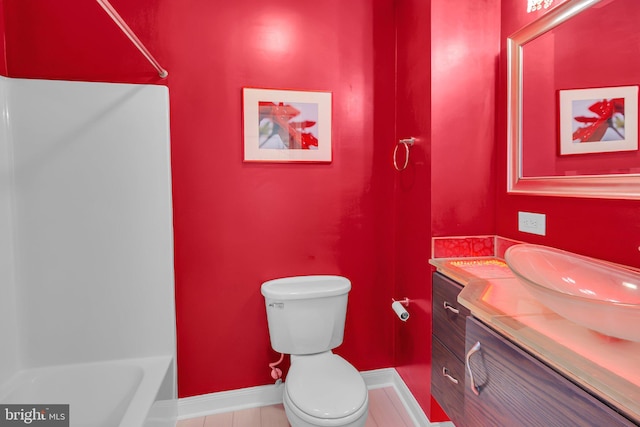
(132, 36)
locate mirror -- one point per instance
(581, 48)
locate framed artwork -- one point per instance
(598, 120)
(286, 125)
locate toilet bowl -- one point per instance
(306, 317)
(325, 390)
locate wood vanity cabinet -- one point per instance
(448, 346)
(516, 389)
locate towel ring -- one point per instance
(406, 143)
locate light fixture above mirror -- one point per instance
(535, 5)
(609, 184)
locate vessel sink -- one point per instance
(601, 296)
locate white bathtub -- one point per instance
(102, 394)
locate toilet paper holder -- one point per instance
(399, 307)
(404, 301)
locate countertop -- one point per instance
(607, 367)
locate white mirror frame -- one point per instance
(615, 186)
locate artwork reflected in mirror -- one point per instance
(602, 120)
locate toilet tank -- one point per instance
(306, 314)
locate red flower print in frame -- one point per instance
(279, 129)
(286, 125)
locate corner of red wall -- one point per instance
(3, 53)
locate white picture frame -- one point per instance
(286, 125)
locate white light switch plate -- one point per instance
(532, 223)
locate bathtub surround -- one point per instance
(101, 394)
(85, 194)
(8, 315)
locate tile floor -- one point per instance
(385, 410)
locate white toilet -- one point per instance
(306, 317)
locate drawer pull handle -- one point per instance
(472, 384)
(445, 372)
(448, 306)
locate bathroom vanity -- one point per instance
(501, 358)
(448, 347)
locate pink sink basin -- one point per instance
(598, 295)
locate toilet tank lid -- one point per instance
(301, 287)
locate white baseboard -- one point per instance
(393, 378)
(226, 401)
(235, 400)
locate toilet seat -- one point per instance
(324, 389)
(298, 418)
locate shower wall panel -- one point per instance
(8, 316)
(94, 246)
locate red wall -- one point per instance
(464, 51)
(606, 229)
(446, 61)
(3, 58)
(77, 40)
(237, 225)
(412, 201)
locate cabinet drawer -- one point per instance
(517, 389)
(448, 315)
(448, 393)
